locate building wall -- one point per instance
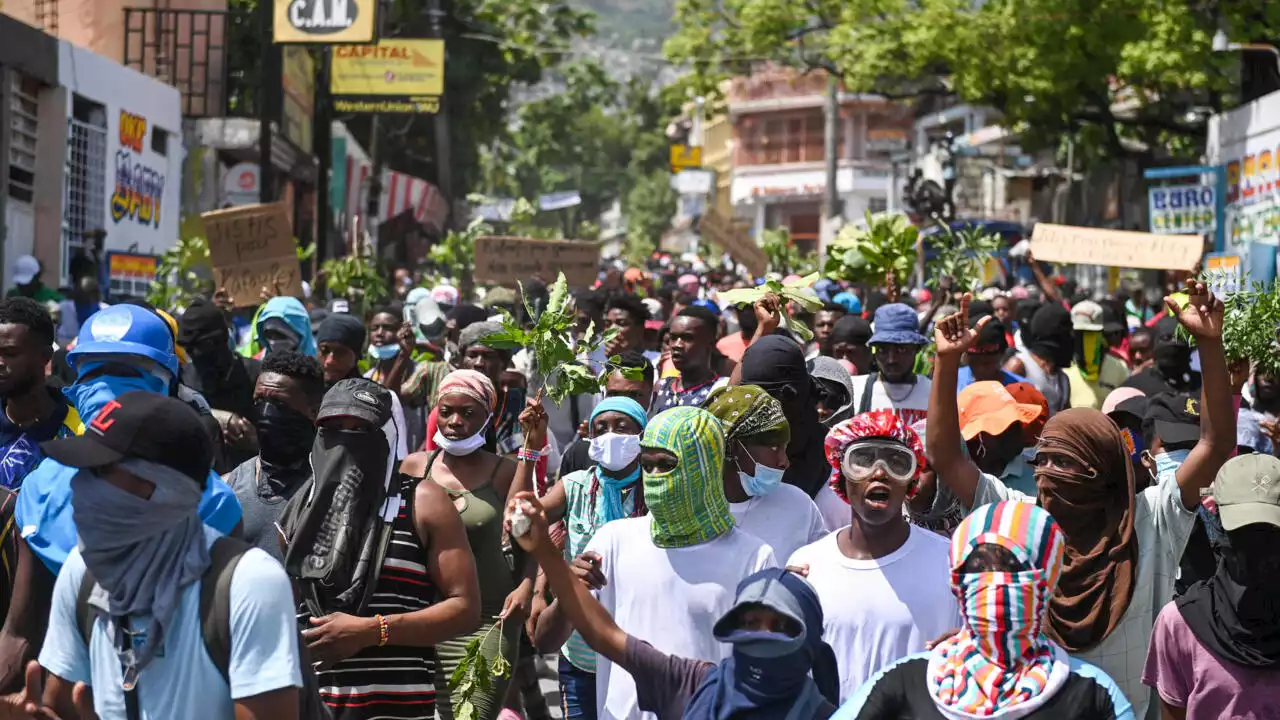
(144, 151)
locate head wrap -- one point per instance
(834, 374)
(295, 315)
(624, 405)
(874, 424)
(442, 294)
(1052, 335)
(475, 333)
(768, 674)
(609, 487)
(473, 384)
(343, 329)
(749, 414)
(1096, 512)
(1001, 658)
(687, 505)
(202, 321)
(776, 364)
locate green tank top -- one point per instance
(481, 513)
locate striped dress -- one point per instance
(391, 682)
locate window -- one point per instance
(85, 185)
(23, 110)
(159, 141)
(795, 138)
(877, 205)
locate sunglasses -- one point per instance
(895, 460)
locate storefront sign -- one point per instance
(324, 21)
(299, 81)
(685, 157)
(139, 184)
(129, 275)
(400, 76)
(1182, 209)
(250, 248)
(240, 184)
(508, 260)
(1115, 248)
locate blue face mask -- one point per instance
(90, 397)
(383, 352)
(766, 480)
(1170, 461)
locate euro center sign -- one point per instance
(394, 75)
(324, 21)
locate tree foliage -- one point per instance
(784, 257)
(1102, 71)
(885, 252)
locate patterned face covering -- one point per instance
(687, 505)
(1001, 658)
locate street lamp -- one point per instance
(1222, 44)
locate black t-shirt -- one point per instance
(576, 457)
(902, 693)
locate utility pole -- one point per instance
(831, 151)
(323, 147)
(267, 91)
(444, 169)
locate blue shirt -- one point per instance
(965, 378)
(44, 515)
(20, 446)
(182, 681)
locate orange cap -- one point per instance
(1028, 394)
(987, 407)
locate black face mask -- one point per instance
(284, 434)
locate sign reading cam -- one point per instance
(139, 187)
(324, 21)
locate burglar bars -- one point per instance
(184, 48)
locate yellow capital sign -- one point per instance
(409, 72)
(324, 21)
(685, 157)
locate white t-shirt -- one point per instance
(835, 511)
(1162, 526)
(182, 681)
(785, 519)
(877, 611)
(910, 402)
(668, 597)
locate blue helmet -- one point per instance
(125, 330)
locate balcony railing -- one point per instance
(184, 48)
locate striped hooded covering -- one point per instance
(687, 505)
(1001, 659)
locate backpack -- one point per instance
(215, 621)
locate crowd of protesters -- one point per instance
(1028, 503)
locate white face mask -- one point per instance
(465, 446)
(615, 451)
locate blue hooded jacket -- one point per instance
(293, 312)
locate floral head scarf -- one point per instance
(747, 412)
(874, 424)
(1001, 658)
(687, 505)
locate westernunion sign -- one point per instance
(325, 21)
(393, 76)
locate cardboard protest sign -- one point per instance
(1115, 248)
(503, 260)
(735, 241)
(252, 247)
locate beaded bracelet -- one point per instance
(526, 455)
(384, 630)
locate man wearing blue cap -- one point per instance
(895, 341)
(121, 348)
